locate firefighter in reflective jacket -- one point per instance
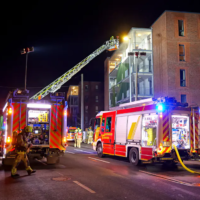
(22, 148)
(79, 138)
(75, 137)
(90, 136)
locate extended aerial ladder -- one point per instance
(110, 45)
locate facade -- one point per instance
(73, 105)
(176, 49)
(93, 102)
(161, 61)
(129, 72)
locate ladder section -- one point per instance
(110, 45)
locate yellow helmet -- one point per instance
(28, 129)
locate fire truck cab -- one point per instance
(48, 119)
(146, 131)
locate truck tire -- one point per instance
(100, 150)
(134, 157)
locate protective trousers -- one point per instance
(79, 143)
(21, 156)
(75, 142)
(90, 139)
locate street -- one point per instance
(82, 175)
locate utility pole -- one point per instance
(136, 77)
(26, 51)
(82, 104)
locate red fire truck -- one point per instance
(146, 131)
(48, 119)
(71, 133)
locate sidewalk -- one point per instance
(83, 145)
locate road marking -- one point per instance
(59, 173)
(170, 179)
(69, 152)
(41, 162)
(85, 187)
(98, 160)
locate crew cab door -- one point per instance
(107, 132)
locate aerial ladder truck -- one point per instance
(47, 117)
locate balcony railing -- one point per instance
(141, 45)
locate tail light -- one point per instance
(10, 110)
(64, 139)
(65, 113)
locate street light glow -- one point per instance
(125, 38)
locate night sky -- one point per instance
(65, 33)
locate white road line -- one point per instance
(69, 152)
(99, 160)
(59, 173)
(85, 187)
(41, 162)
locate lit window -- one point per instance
(97, 99)
(183, 98)
(181, 52)
(181, 27)
(182, 78)
(97, 87)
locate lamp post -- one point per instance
(26, 51)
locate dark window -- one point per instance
(97, 99)
(181, 52)
(182, 78)
(183, 98)
(103, 122)
(86, 87)
(97, 87)
(86, 109)
(108, 124)
(181, 27)
(86, 98)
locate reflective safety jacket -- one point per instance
(79, 135)
(21, 143)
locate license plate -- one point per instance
(166, 158)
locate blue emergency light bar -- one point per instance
(160, 107)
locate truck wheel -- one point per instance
(134, 157)
(100, 150)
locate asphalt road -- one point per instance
(82, 175)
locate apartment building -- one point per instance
(93, 102)
(163, 60)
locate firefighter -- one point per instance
(79, 138)
(75, 137)
(22, 148)
(90, 137)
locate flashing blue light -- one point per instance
(160, 107)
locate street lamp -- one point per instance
(26, 51)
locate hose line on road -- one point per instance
(183, 165)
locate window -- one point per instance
(182, 78)
(86, 87)
(97, 99)
(97, 87)
(97, 108)
(86, 98)
(86, 109)
(108, 124)
(183, 98)
(181, 27)
(181, 52)
(86, 119)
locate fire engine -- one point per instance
(147, 130)
(71, 133)
(47, 117)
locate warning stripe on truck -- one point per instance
(16, 116)
(191, 133)
(196, 115)
(166, 133)
(56, 127)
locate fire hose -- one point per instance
(183, 165)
